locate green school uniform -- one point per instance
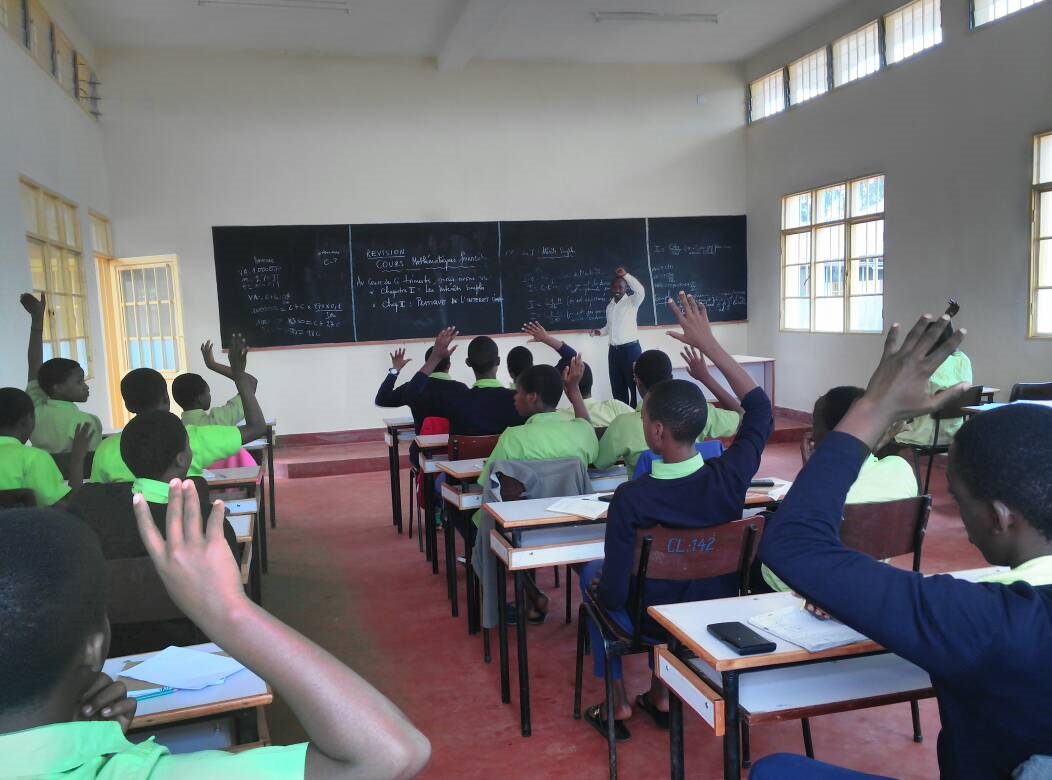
(25, 467)
(1036, 572)
(662, 470)
(208, 443)
(478, 382)
(602, 413)
(153, 490)
(879, 479)
(545, 436)
(955, 369)
(57, 421)
(230, 413)
(624, 437)
(98, 749)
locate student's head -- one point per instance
(63, 380)
(586, 382)
(651, 367)
(538, 389)
(53, 609)
(674, 413)
(154, 445)
(618, 288)
(998, 474)
(830, 409)
(144, 389)
(483, 357)
(443, 367)
(519, 359)
(17, 416)
(191, 391)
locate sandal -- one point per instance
(512, 616)
(621, 732)
(644, 703)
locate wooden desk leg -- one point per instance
(451, 559)
(259, 492)
(270, 478)
(396, 487)
(432, 529)
(502, 629)
(732, 733)
(472, 601)
(429, 512)
(524, 671)
(255, 579)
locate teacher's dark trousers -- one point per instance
(620, 360)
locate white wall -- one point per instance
(198, 139)
(47, 137)
(952, 128)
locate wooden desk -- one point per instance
(242, 696)
(761, 369)
(242, 518)
(462, 496)
(250, 480)
(988, 393)
(396, 428)
(978, 409)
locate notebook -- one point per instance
(803, 629)
(582, 506)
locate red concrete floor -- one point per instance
(341, 574)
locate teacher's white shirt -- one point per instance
(621, 315)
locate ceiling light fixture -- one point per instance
(652, 16)
(295, 5)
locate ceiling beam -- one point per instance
(477, 17)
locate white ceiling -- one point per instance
(454, 31)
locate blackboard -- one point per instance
(325, 284)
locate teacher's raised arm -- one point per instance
(626, 295)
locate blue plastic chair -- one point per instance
(711, 448)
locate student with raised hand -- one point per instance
(722, 421)
(27, 468)
(193, 394)
(985, 645)
(144, 389)
(60, 715)
(601, 413)
(624, 437)
(56, 387)
(954, 370)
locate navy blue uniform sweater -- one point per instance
(712, 495)
(423, 401)
(471, 411)
(987, 647)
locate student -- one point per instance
(56, 387)
(624, 437)
(601, 413)
(144, 389)
(60, 715)
(680, 492)
(27, 468)
(486, 408)
(519, 359)
(886, 479)
(985, 644)
(957, 368)
(193, 394)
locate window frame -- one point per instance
(848, 221)
(1037, 189)
(881, 63)
(941, 36)
(972, 26)
(783, 73)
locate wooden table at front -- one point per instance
(432, 449)
(395, 429)
(241, 697)
(978, 409)
(250, 480)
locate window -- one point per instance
(985, 11)
(913, 28)
(808, 77)
(856, 55)
(12, 19)
(86, 92)
(767, 95)
(833, 258)
(1041, 265)
(63, 61)
(53, 240)
(40, 36)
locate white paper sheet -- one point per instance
(582, 506)
(805, 630)
(184, 668)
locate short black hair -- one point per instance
(443, 366)
(680, 406)
(651, 367)
(519, 359)
(483, 354)
(833, 406)
(187, 388)
(52, 597)
(143, 389)
(15, 406)
(586, 381)
(1020, 438)
(545, 382)
(150, 442)
(55, 372)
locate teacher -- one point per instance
(626, 295)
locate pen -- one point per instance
(154, 694)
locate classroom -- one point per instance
(551, 388)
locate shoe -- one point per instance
(512, 615)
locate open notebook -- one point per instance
(801, 628)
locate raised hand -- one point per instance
(537, 332)
(444, 346)
(35, 307)
(106, 699)
(619, 271)
(693, 318)
(696, 365)
(595, 332)
(398, 359)
(237, 353)
(572, 375)
(206, 353)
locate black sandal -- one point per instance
(621, 732)
(644, 703)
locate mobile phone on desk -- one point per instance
(740, 638)
(607, 498)
(762, 483)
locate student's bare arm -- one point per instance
(572, 387)
(255, 425)
(442, 349)
(35, 351)
(697, 368)
(697, 331)
(354, 731)
(537, 333)
(219, 368)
